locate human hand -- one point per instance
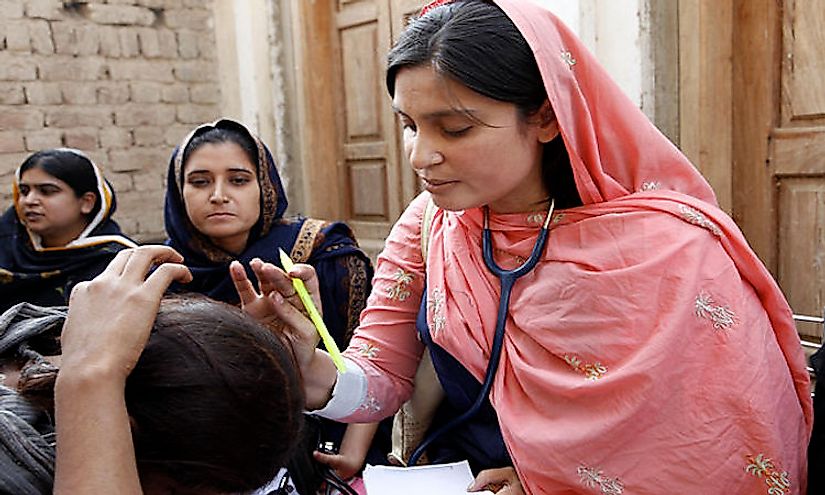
(111, 316)
(345, 466)
(278, 301)
(501, 481)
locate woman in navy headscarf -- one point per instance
(59, 231)
(225, 202)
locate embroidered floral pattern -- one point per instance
(370, 404)
(696, 218)
(368, 350)
(567, 58)
(399, 291)
(777, 481)
(595, 479)
(723, 317)
(435, 301)
(590, 371)
(651, 186)
(558, 217)
(536, 218)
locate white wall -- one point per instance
(614, 31)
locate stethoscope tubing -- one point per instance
(507, 279)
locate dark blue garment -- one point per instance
(46, 278)
(344, 271)
(816, 449)
(478, 439)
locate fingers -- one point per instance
(294, 318)
(141, 260)
(243, 286)
(159, 280)
(495, 480)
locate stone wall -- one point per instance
(123, 80)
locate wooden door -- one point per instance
(779, 143)
(375, 182)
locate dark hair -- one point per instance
(216, 135)
(475, 43)
(215, 398)
(70, 166)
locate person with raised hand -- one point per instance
(579, 282)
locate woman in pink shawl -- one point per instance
(648, 352)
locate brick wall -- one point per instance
(123, 80)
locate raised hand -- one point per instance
(110, 317)
(278, 305)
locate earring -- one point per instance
(436, 158)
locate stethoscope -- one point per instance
(507, 279)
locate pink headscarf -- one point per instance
(650, 351)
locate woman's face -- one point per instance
(51, 209)
(221, 194)
(470, 150)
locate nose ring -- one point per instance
(436, 158)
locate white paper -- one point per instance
(435, 479)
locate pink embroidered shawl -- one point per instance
(649, 352)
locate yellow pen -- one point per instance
(300, 288)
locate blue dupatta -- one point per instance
(46, 276)
(344, 271)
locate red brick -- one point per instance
(160, 4)
(44, 138)
(25, 118)
(206, 46)
(69, 117)
(135, 115)
(122, 15)
(11, 141)
(84, 138)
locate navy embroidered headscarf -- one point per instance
(344, 271)
(45, 275)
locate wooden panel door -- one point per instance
(375, 182)
(779, 143)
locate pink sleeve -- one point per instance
(386, 345)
